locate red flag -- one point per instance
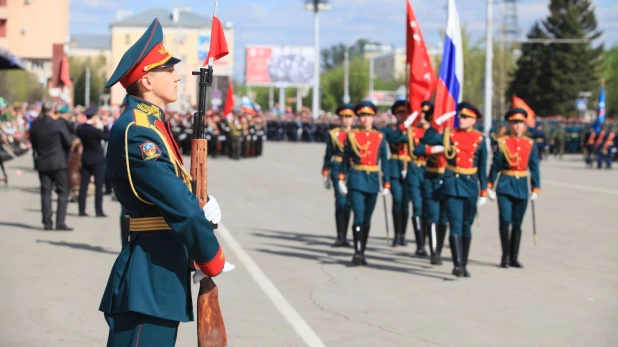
(422, 76)
(519, 103)
(65, 77)
(218, 44)
(229, 99)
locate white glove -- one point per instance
(386, 191)
(533, 196)
(199, 275)
(491, 194)
(212, 210)
(437, 149)
(404, 173)
(482, 201)
(343, 188)
(326, 182)
(410, 119)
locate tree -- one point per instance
(77, 70)
(334, 56)
(611, 81)
(20, 86)
(566, 69)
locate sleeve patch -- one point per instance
(150, 151)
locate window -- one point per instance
(2, 27)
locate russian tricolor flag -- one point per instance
(449, 90)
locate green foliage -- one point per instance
(334, 56)
(550, 77)
(77, 70)
(19, 86)
(611, 81)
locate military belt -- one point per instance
(402, 157)
(463, 171)
(436, 170)
(337, 158)
(367, 168)
(515, 173)
(420, 162)
(148, 224)
(540, 140)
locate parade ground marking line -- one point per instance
(283, 306)
(577, 186)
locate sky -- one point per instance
(280, 22)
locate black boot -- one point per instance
(365, 234)
(358, 241)
(397, 227)
(515, 240)
(441, 237)
(465, 251)
(504, 243)
(403, 227)
(432, 232)
(346, 222)
(419, 236)
(339, 219)
(455, 242)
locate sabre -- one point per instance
(533, 223)
(388, 235)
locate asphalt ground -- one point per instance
(290, 288)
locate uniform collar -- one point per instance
(148, 108)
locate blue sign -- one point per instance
(581, 104)
(203, 46)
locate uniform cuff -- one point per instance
(324, 172)
(483, 193)
(341, 177)
(536, 190)
(214, 266)
(387, 185)
(428, 150)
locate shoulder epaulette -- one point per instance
(141, 119)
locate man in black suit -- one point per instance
(51, 142)
(93, 160)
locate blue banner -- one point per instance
(598, 123)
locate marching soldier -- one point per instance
(149, 292)
(508, 179)
(465, 181)
(399, 162)
(333, 159)
(587, 144)
(606, 148)
(540, 140)
(431, 147)
(359, 178)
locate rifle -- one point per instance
(210, 325)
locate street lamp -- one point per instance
(316, 6)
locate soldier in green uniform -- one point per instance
(359, 178)
(148, 292)
(508, 179)
(558, 140)
(399, 162)
(332, 167)
(465, 182)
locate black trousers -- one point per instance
(99, 176)
(6, 178)
(49, 179)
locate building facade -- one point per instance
(28, 34)
(187, 37)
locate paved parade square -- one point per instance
(290, 288)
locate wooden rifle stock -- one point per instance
(210, 325)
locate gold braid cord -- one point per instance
(411, 144)
(355, 146)
(512, 160)
(450, 151)
(335, 139)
